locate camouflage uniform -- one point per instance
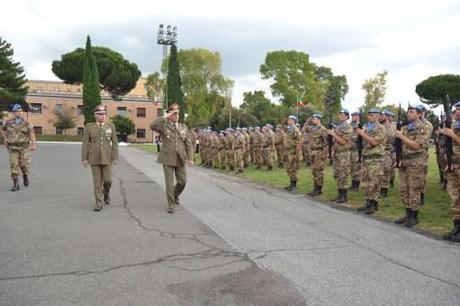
(18, 135)
(305, 152)
(214, 145)
(440, 157)
(279, 146)
(317, 135)
(341, 155)
(258, 149)
(372, 165)
(268, 143)
(453, 185)
(387, 157)
(412, 171)
(247, 149)
(221, 151)
(293, 141)
(355, 164)
(251, 146)
(229, 151)
(429, 131)
(238, 144)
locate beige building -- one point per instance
(46, 96)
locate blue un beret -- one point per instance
(457, 105)
(317, 115)
(374, 111)
(16, 107)
(345, 111)
(421, 107)
(293, 118)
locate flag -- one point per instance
(300, 103)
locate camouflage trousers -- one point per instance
(372, 173)
(306, 153)
(280, 155)
(215, 158)
(238, 157)
(355, 166)
(453, 188)
(292, 167)
(252, 154)
(222, 160)
(411, 177)
(393, 163)
(268, 157)
(425, 169)
(258, 157)
(19, 159)
(230, 158)
(342, 166)
(318, 163)
(387, 165)
(246, 157)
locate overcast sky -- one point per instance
(411, 39)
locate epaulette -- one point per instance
(91, 123)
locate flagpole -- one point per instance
(297, 104)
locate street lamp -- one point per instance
(166, 37)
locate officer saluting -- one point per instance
(175, 151)
(100, 150)
(19, 137)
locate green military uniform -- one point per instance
(317, 142)
(17, 132)
(175, 150)
(372, 165)
(100, 150)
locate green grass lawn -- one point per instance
(435, 216)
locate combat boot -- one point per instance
(339, 192)
(343, 198)
(289, 188)
(316, 191)
(292, 187)
(365, 206)
(392, 183)
(270, 168)
(403, 219)
(411, 218)
(354, 186)
(422, 198)
(373, 207)
(280, 165)
(25, 178)
(15, 184)
(384, 192)
(454, 231)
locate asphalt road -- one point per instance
(54, 250)
(233, 242)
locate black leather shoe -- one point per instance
(25, 180)
(98, 209)
(107, 199)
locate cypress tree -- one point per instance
(174, 83)
(91, 90)
(12, 79)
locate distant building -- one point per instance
(46, 96)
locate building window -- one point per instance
(122, 111)
(80, 109)
(36, 108)
(141, 112)
(140, 133)
(58, 108)
(38, 130)
(59, 131)
(80, 131)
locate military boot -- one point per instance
(411, 218)
(354, 186)
(270, 168)
(384, 192)
(316, 191)
(339, 192)
(422, 198)
(280, 165)
(15, 184)
(403, 219)
(365, 206)
(294, 186)
(454, 231)
(25, 178)
(289, 188)
(373, 207)
(343, 198)
(392, 183)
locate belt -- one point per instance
(372, 156)
(266, 146)
(238, 147)
(316, 148)
(412, 155)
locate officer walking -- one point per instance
(19, 138)
(175, 151)
(100, 150)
